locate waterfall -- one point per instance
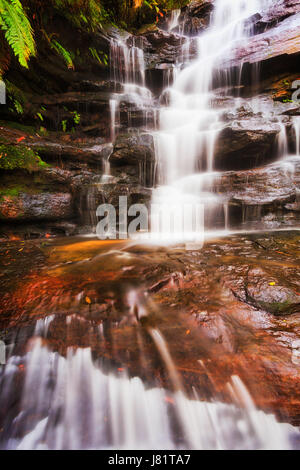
(189, 126)
(73, 404)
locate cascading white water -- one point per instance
(173, 21)
(113, 106)
(189, 126)
(127, 65)
(282, 141)
(127, 62)
(72, 404)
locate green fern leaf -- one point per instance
(17, 30)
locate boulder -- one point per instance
(162, 47)
(246, 144)
(132, 150)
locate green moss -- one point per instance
(14, 190)
(19, 157)
(11, 192)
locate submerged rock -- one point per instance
(265, 293)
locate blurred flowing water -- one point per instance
(70, 403)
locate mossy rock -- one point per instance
(20, 157)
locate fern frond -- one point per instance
(17, 30)
(63, 52)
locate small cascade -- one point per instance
(127, 62)
(296, 126)
(282, 141)
(169, 76)
(133, 107)
(174, 19)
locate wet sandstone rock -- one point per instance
(245, 144)
(133, 157)
(130, 149)
(274, 184)
(36, 207)
(277, 51)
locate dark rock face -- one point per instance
(162, 47)
(134, 155)
(245, 144)
(195, 17)
(131, 149)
